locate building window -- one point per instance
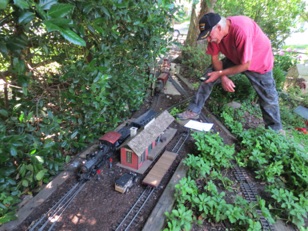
(150, 148)
(142, 159)
(157, 139)
(129, 155)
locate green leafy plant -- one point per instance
(180, 218)
(198, 167)
(185, 190)
(285, 60)
(195, 60)
(213, 150)
(276, 160)
(272, 17)
(77, 70)
(295, 207)
(174, 111)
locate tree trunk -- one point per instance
(193, 30)
(206, 6)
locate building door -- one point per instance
(129, 156)
(142, 158)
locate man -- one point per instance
(247, 50)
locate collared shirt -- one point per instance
(245, 42)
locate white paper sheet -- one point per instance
(193, 124)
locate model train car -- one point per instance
(109, 143)
(163, 76)
(125, 182)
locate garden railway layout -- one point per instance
(98, 206)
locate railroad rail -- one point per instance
(181, 141)
(250, 193)
(132, 215)
(49, 220)
(131, 218)
(246, 186)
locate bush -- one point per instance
(195, 60)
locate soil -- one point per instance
(98, 206)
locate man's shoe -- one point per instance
(186, 115)
(282, 132)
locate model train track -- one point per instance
(132, 215)
(250, 193)
(49, 220)
(246, 186)
(178, 87)
(181, 141)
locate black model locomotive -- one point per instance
(108, 144)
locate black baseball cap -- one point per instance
(206, 24)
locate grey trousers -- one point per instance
(264, 85)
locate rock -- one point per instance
(25, 200)
(234, 105)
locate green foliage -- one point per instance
(195, 60)
(281, 163)
(198, 197)
(289, 118)
(275, 18)
(180, 219)
(213, 150)
(234, 125)
(100, 53)
(279, 76)
(273, 156)
(198, 166)
(278, 161)
(296, 207)
(186, 189)
(244, 92)
(174, 111)
(285, 60)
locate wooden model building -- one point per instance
(144, 145)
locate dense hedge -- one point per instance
(73, 69)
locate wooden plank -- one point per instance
(156, 221)
(157, 173)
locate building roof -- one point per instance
(142, 140)
(111, 137)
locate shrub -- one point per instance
(195, 60)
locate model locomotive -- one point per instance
(108, 144)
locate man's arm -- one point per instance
(226, 83)
(219, 72)
(216, 62)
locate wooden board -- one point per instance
(157, 173)
(156, 221)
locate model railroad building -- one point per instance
(148, 143)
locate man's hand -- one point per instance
(227, 84)
(213, 76)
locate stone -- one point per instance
(302, 111)
(234, 105)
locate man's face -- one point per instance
(215, 36)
